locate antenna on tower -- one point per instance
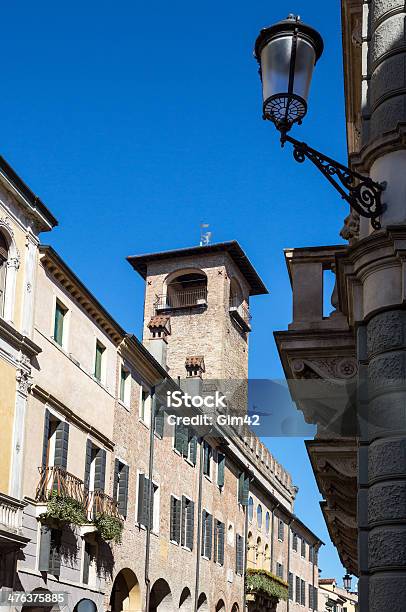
(205, 235)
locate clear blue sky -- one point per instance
(136, 121)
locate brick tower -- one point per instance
(196, 316)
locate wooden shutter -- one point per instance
(159, 420)
(206, 459)
(123, 490)
(302, 593)
(221, 462)
(175, 519)
(61, 444)
(100, 470)
(86, 563)
(115, 483)
(281, 530)
(44, 548)
(290, 582)
(60, 312)
(243, 489)
(204, 529)
(220, 543)
(315, 598)
(192, 447)
(181, 439)
(145, 505)
(297, 590)
(240, 554)
(190, 524)
(88, 462)
(55, 553)
(294, 542)
(209, 535)
(303, 551)
(311, 606)
(45, 440)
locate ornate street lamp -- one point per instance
(287, 53)
(347, 582)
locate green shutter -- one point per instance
(290, 582)
(123, 379)
(190, 524)
(45, 440)
(221, 531)
(192, 447)
(206, 458)
(123, 491)
(88, 462)
(61, 444)
(98, 360)
(209, 535)
(221, 462)
(44, 548)
(203, 545)
(243, 489)
(145, 505)
(239, 554)
(159, 420)
(60, 312)
(175, 520)
(181, 439)
(115, 482)
(100, 470)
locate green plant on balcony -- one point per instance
(109, 527)
(62, 509)
(261, 581)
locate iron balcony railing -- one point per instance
(240, 313)
(188, 298)
(56, 480)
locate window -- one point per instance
(185, 442)
(267, 522)
(145, 405)
(303, 549)
(239, 546)
(221, 462)
(148, 503)
(279, 570)
(281, 530)
(188, 520)
(311, 598)
(243, 489)
(55, 443)
(95, 468)
(302, 593)
(250, 509)
(159, 421)
(294, 542)
(120, 486)
(175, 519)
(99, 361)
(207, 456)
(259, 516)
(3, 271)
(219, 530)
(315, 598)
(311, 553)
(297, 598)
(59, 323)
(125, 386)
(49, 553)
(207, 534)
(290, 582)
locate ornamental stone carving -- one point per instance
(386, 371)
(350, 229)
(327, 368)
(387, 457)
(378, 507)
(388, 36)
(24, 381)
(385, 331)
(387, 547)
(382, 589)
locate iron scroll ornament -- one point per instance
(364, 194)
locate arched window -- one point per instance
(267, 522)
(3, 270)
(184, 289)
(259, 516)
(260, 554)
(267, 558)
(250, 509)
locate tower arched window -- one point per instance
(183, 289)
(3, 270)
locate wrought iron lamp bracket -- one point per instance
(361, 192)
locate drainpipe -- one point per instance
(199, 525)
(273, 533)
(289, 534)
(150, 475)
(245, 557)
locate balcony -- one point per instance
(57, 481)
(241, 314)
(186, 298)
(264, 590)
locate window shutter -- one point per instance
(204, 529)
(55, 554)
(209, 536)
(315, 598)
(88, 461)
(303, 553)
(44, 549)
(123, 491)
(45, 442)
(175, 519)
(86, 563)
(294, 542)
(159, 420)
(141, 515)
(240, 554)
(302, 593)
(183, 520)
(221, 461)
(100, 470)
(192, 447)
(215, 541)
(245, 491)
(311, 597)
(145, 501)
(281, 530)
(206, 459)
(190, 524)
(291, 586)
(221, 543)
(297, 590)
(61, 444)
(115, 483)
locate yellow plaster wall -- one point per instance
(7, 407)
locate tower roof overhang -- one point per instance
(257, 287)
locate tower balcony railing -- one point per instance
(57, 481)
(240, 313)
(187, 298)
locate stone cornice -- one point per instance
(17, 340)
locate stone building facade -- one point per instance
(93, 453)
